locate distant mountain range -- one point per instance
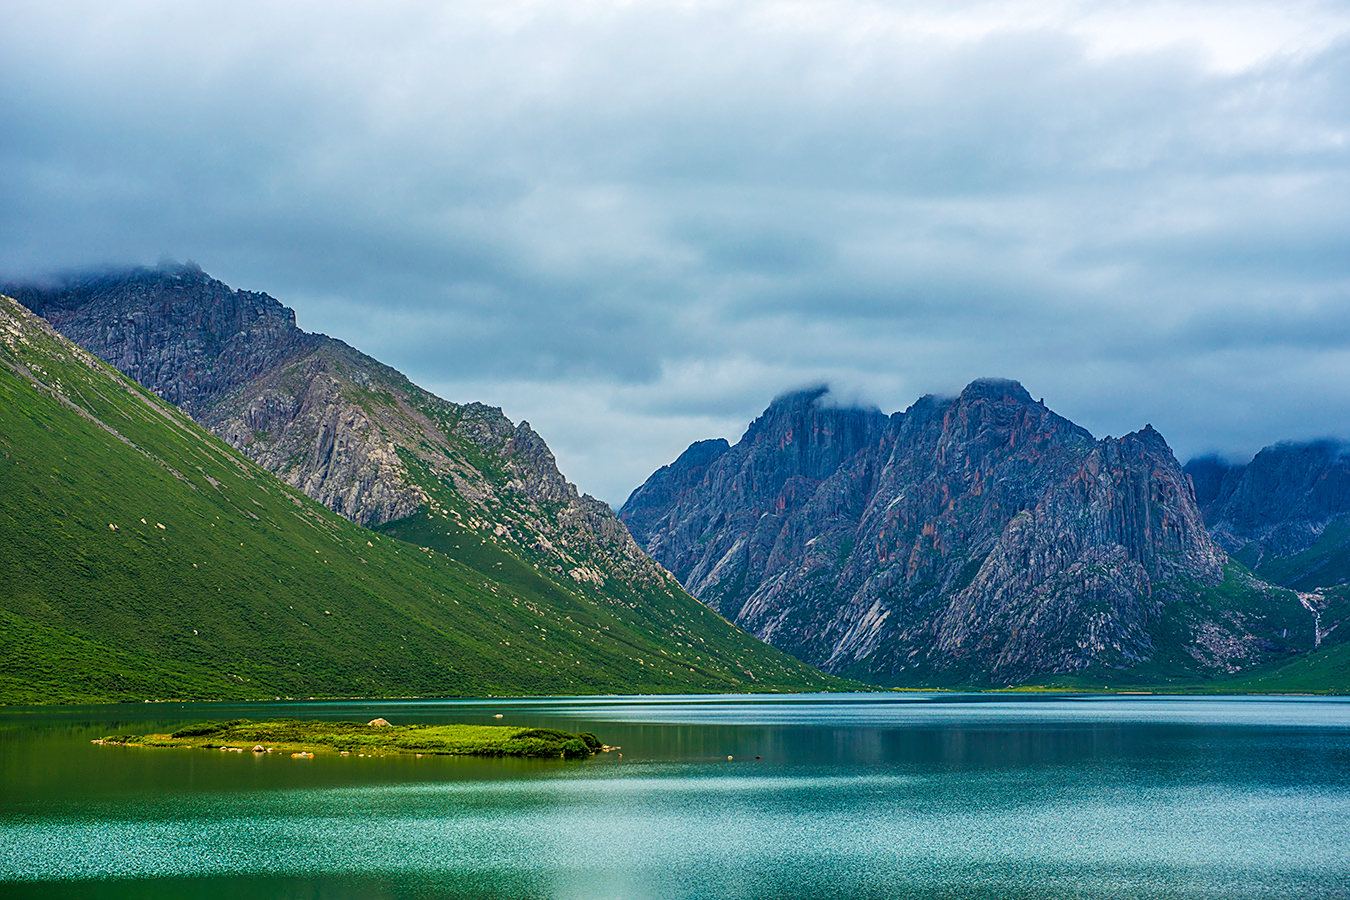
(983, 539)
(976, 540)
(143, 558)
(1286, 513)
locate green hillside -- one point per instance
(1326, 562)
(1324, 670)
(142, 558)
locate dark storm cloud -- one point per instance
(635, 224)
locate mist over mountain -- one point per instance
(974, 539)
(1285, 513)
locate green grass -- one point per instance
(303, 736)
(1326, 563)
(1324, 671)
(250, 590)
(665, 631)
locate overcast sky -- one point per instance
(634, 224)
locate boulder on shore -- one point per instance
(379, 723)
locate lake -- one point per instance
(825, 795)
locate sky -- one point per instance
(634, 224)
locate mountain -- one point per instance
(143, 558)
(979, 539)
(1286, 513)
(345, 429)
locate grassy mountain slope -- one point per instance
(357, 435)
(142, 558)
(1326, 669)
(1326, 562)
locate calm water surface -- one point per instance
(896, 795)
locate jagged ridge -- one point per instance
(981, 538)
(143, 558)
(347, 430)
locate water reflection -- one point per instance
(983, 795)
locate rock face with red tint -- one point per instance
(977, 539)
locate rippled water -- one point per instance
(887, 795)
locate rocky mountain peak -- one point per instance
(979, 537)
(991, 419)
(172, 327)
(1149, 439)
(1004, 390)
(669, 484)
(347, 430)
(535, 468)
(701, 453)
(804, 426)
(805, 411)
(1310, 478)
(799, 398)
(1207, 474)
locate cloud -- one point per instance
(635, 224)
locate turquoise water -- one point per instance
(890, 795)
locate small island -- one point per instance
(304, 738)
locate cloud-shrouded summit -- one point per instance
(634, 224)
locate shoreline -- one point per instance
(303, 739)
(1020, 689)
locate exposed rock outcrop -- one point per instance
(347, 430)
(174, 329)
(1286, 513)
(981, 538)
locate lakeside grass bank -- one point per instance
(376, 738)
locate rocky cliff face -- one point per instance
(174, 329)
(349, 431)
(981, 538)
(1286, 513)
